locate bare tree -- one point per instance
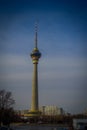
(6, 99)
(6, 110)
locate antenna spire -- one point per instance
(36, 27)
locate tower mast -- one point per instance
(36, 35)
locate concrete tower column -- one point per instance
(34, 104)
(35, 55)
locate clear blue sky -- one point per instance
(62, 40)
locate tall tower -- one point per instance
(35, 55)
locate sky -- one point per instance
(62, 40)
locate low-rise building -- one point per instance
(80, 124)
(51, 110)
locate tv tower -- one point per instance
(35, 55)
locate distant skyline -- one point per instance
(62, 40)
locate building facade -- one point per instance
(51, 110)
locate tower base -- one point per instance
(33, 114)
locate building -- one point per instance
(80, 124)
(51, 110)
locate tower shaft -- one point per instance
(34, 104)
